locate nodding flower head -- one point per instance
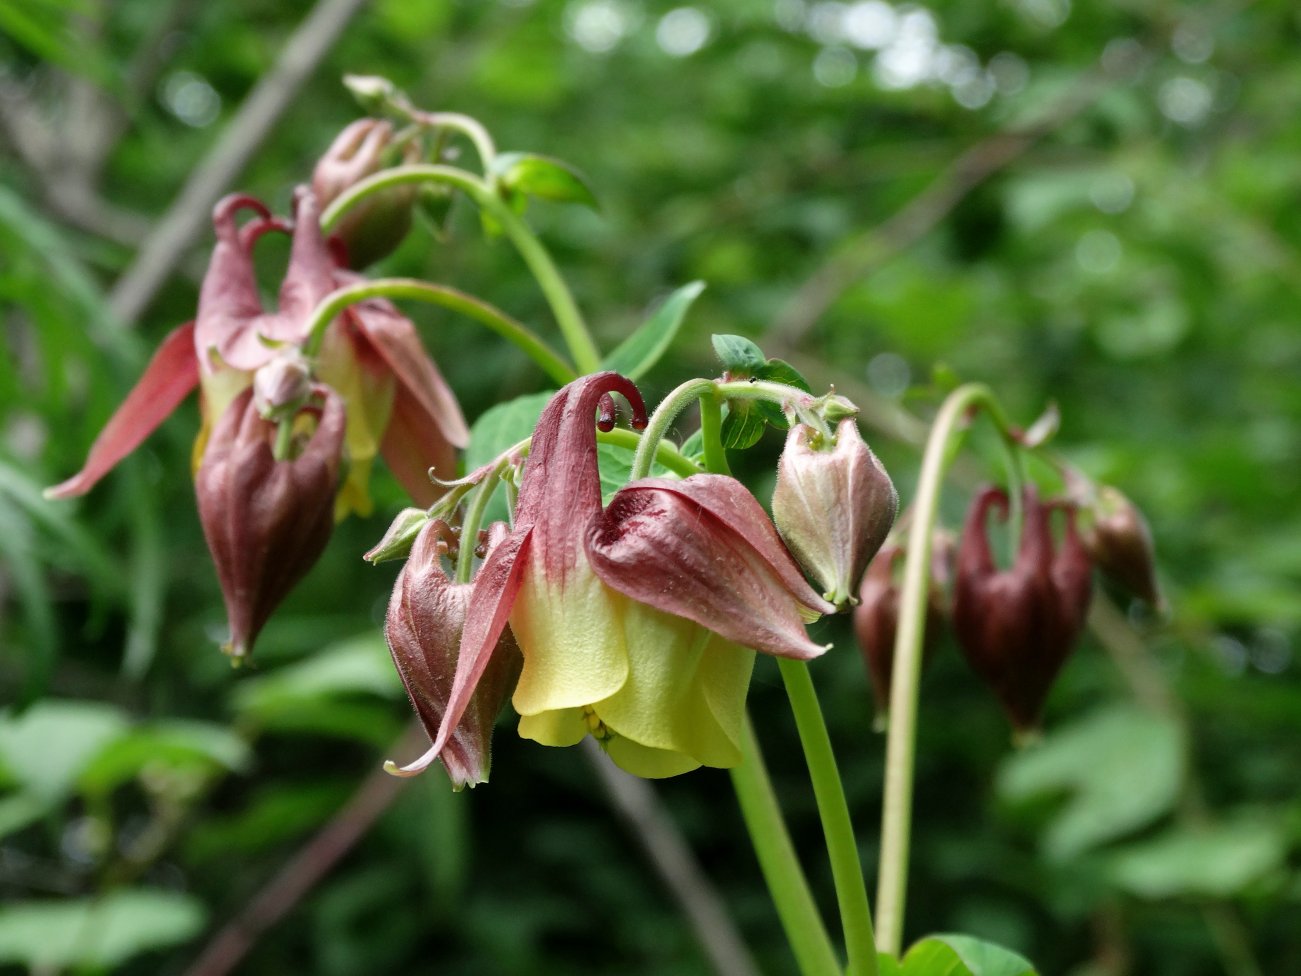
(637, 622)
(1017, 626)
(267, 519)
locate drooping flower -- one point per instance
(266, 520)
(637, 622)
(395, 401)
(398, 404)
(426, 616)
(833, 504)
(1017, 626)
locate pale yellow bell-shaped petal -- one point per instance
(562, 727)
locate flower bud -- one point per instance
(376, 225)
(876, 618)
(426, 617)
(1120, 543)
(266, 520)
(1017, 627)
(282, 386)
(833, 505)
(399, 538)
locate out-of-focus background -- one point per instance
(1089, 204)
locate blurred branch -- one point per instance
(651, 826)
(863, 254)
(186, 217)
(302, 872)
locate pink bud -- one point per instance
(834, 505)
(266, 520)
(377, 224)
(1120, 543)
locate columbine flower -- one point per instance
(1120, 543)
(425, 618)
(833, 504)
(638, 623)
(266, 520)
(398, 404)
(1018, 626)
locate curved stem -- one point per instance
(896, 814)
(469, 127)
(778, 393)
(837, 827)
(666, 453)
(796, 909)
(572, 327)
(550, 361)
(662, 419)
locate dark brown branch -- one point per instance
(188, 214)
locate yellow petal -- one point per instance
(563, 727)
(571, 635)
(647, 762)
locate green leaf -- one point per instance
(694, 447)
(1120, 767)
(1213, 862)
(99, 932)
(504, 425)
(743, 425)
(357, 665)
(615, 464)
(544, 178)
(177, 745)
(46, 748)
(641, 350)
(779, 371)
(962, 955)
(739, 355)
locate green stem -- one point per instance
(796, 909)
(837, 827)
(470, 527)
(662, 419)
(896, 814)
(778, 393)
(711, 428)
(284, 440)
(469, 127)
(570, 320)
(551, 362)
(666, 453)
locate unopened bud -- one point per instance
(282, 386)
(375, 226)
(401, 534)
(833, 505)
(1120, 543)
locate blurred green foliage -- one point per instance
(1138, 263)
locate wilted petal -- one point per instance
(171, 374)
(703, 549)
(309, 276)
(412, 447)
(230, 310)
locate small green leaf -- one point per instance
(641, 350)
(743, 425)
(544, 178)
(962, 955)
(779, 371)
(740, 357)
(694, 447)
(1121, 767)
(175, 744)
(99, 932)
